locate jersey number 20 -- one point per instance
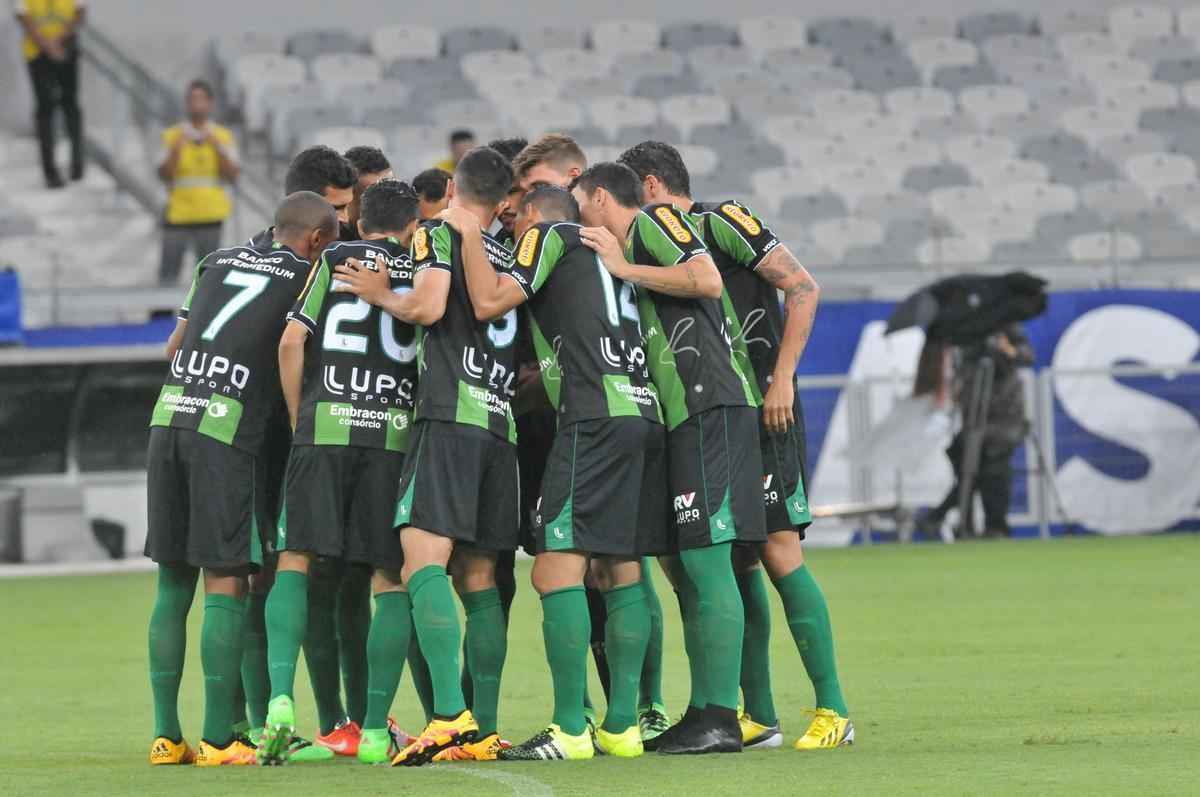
(351, 312)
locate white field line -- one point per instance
(521, 785)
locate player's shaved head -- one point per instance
(303, 213)
(661, 161)
(621, 182)
(552, 203)
(483, 177)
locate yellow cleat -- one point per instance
(827, 731)
(165, 752)
(756, 736)
(627, 744)
(486, 749)
(438, 736)
(237, 753)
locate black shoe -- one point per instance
(76, 172)
(692, 715)
(55, 181)
(716, 731)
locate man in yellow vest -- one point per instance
(52, 52)
(198, 157)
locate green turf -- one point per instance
(991, 668)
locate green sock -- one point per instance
(256, 675)
(487, 646)
(627, 633)
(168, 644)
(239, 700)
(419, 669)
(221, 659)
(651, 685)
(720, 621)
(756, 649)
(387, 644)
(321, 648)
(808, 617)
(286, 619)
(435, 619)
(353, 625)
(468, 686)
(567, 634)
(686, 594)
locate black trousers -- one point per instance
(993, 482)
(56, 85)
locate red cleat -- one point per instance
(343, 739)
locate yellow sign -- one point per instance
(673, 225)
(743, 218)
(420, 244)
(529, 244)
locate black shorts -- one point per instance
(202, 505)
(339, 502)
(535, 435)
(785, 497)
(460, 482)
(604, 491)
(716, 479)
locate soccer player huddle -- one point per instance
(362, 401)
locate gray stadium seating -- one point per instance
(811, 208)
(658, 87)
(981, 27)
(1178, 70)
(422, 70)
(686, 35)
(928, 178)
(1080, 171)
(842, 33)
(957, 78)
(309, 44)
(457, 42)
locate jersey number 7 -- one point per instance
(251, 286)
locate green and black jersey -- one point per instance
(467, 367)
(360, 364)
(585, 328)
(689, 342)
(224, 379)
(738, 241)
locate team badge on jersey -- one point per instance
(529, 244)
(420, 244)
(673, 225)
(743, 218)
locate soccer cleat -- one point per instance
(756, 736)
(486, 749)
(436, 737)
(273, 748)
(552, 744)
(400, 738)
(302, 751)
(627, 744)
(692, 714)
(239, 752)
(164, 752)
(714, 730)
(652, 721)
(375, 746)
(343, 739)
(827, 730)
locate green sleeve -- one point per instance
(538, 252)
(432, 247)
(186, 307)
(308, 306)
(739, 233)
(666, 237)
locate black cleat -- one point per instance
(691, 715)
(716, 730)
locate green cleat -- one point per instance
(274, 749)
(302, 751)
(375, 746)
(652, 721)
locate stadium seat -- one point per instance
(1140, 95)
(1080, 171)
(926, 179)
(975, 149)
(987, 102)
(1039, 198)
(1111, 200)
(1180, 198)
(962, 201)
(763, 34)
(567, 63)
(502, 90)
(944, 128)
(785, 59)
(1021, 127)
(388, 117)
(701, 161)
(612, 113)
(254, 74)
(958, 78)
(866, 179)
(865, 129)
(741, 151)
(475, 38)
(783, 128)
(625, 36)
(1157, 49)
(228, 48)
(1056, 20)
(839, 33)
(1002, 47)
(882, 76)
(1010, 170)
(272, 111)
(932, 54)
(659, 87)
(897, 205)
(1096, 123)
(387, 94)
(907, 27)
(919, 102)
(337, 71)
(662, 130)
(467, 113)
(815, 78)
(485, 65)
(1175, 241)
(415, 71)
(538, 115)
(429, 92)
(1104, 247)
(648, 62)
(586, 89)
(724, 57)
(1155, 171)
(1174, 124)
(1180, 71)
(343, 138)
(688, 35)
(811, 208)
(1024, 70)
(836, 236)
(587, 136)
(536, 37)
(1054, 147)
(689, 111)
(1088, 44)
(844, 102)
(758, 106)
(299, 120)
(911, 152)
(980, 27)
(777, 183)
(308, 44)
(1136, 21)
(405, 41)
(1103, 69)
(420, 136)
(952, 250)
(999, 226)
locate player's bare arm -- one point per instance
(176, 339)
(784, 272)
(492, 294)
(291, 366)
(696, 278)
(424, 304)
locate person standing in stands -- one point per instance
(52, 52)
(461, 142)
(198, 157)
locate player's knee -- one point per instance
(552, 573)
(295, 561)
(386, 581)
(782, 554)
(745, 558)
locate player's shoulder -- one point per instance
(669, 219)
(732, 210)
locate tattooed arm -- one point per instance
(783, 271)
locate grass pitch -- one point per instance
(990, 668)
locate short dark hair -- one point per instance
(368, 160)
(430, 184)
(483, 175)
(318, 167)
(615, 178)
(509, 147)
(461, 134)
(554, 203)
(199, 84)
(388, 206)
(304, 211)
(654, 158)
